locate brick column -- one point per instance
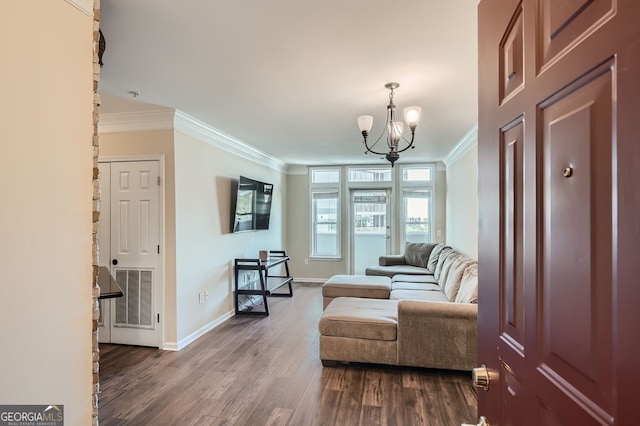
(96, 213)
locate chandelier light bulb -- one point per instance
(412, 116)
(365, 122)
(395, 132)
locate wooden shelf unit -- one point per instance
(265, 285)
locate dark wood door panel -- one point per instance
(512, 57)
(575, 303)
(514, 398)
(564, 24)
(512, 250)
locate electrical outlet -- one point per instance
(201, 297)
(306, 260)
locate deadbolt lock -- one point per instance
(480, 377)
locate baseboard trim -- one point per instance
(173, 346)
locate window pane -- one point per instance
(416, 174)
(367, 174)
(325, 224)
(417, 216)
(370, 212)
(325, 175)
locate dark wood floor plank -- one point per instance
(266, 371)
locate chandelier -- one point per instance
(393, 129)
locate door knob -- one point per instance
(481, 422)
(480, 377)
(114, 261)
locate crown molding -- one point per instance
(138, 121)
(469, 141)
(170, 119)
(197, 129)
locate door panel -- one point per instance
(576, 273)
(565, 23)
(512, 208)
(559, 217)
(134, 257)
(512, 57)
(370, 227)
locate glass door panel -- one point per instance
(369, 227)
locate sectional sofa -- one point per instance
(416, 309)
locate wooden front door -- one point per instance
(559, 191)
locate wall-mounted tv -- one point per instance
(252, 210)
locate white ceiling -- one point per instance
(289, 77)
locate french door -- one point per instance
(129, 239)
(370, 227)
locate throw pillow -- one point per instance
(417, 254)
(433, 257)
(444, 253)
(468, 292)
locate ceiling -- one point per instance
(290, 77)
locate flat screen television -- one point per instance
(252, 209)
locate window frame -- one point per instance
(405, 186)
(325, 187)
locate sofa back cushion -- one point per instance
(444, 254)
(453, 277)
(468, 292)
(434, 256)
(417, 254)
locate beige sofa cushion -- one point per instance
(433, 257)
(453, 280)
(403, 285)
(432, 296)
(373, 287)
(444, 254)
(360, 318)
(423, 279)
(468, 292)
(446, 265)
(390, 271)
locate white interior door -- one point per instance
(370, 227)
(134, 256)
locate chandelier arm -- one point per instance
(370, 149)
(413, 133)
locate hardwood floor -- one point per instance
(266, 371)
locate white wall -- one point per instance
(46, 81)
(205, 247)
(462, 203)
(199, 248)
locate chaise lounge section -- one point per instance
(427, 320)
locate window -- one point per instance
(325, 175)
(369, 174)
(417, 215)
(324, 185)
(417, 174)
(416, 187)
(324, 210)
